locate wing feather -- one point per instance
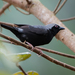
(40, 30)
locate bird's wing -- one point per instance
(38, 30)
(22, 25)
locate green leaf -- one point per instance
(17, 57)
(18, 73)
(32, 73)
(28, 73)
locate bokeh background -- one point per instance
(35, 62)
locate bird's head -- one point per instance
(55, 29)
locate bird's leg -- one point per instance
(33, 47)
(25, 42)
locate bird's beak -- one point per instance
(61, 28)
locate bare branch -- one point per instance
(60, 6)
(9, 24)
(6, 41)
(30, 4)
(21, 68)
(56, 52)
(57, 6)
(38, 52)
(44, 49)
(68, 19)
(22, 11)
(4, 8)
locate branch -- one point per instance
(21, 68)
(30, 4)
(4, 8)
(68, 19)
(6, 41)
(22, 11)
(44, 49)
(60, 6)
(56, 52)
(57, 6)
(38, 52)
(9, 24)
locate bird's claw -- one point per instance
(25, 42)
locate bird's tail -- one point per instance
(8, 27)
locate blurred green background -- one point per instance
(35, 62)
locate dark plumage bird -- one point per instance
(36, 35)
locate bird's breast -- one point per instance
(48, 38)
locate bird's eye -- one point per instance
(56, 26)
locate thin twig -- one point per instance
(57, 6)
(22, 11)
(6, 41)
(68, 19)
(9, 24)
(4, 8)
(60, 6)
(38, 52)
(56, 52)
(44, 49)
(21, 68)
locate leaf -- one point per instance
(17, 57)
(18, 73)
(28, 73)
(32, 73)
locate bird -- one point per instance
(36, 35)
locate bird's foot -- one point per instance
(40, 53)
(25, 42)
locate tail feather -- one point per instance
(22, 25)
(14, 30)
(9, 27)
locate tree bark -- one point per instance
(46, 17)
